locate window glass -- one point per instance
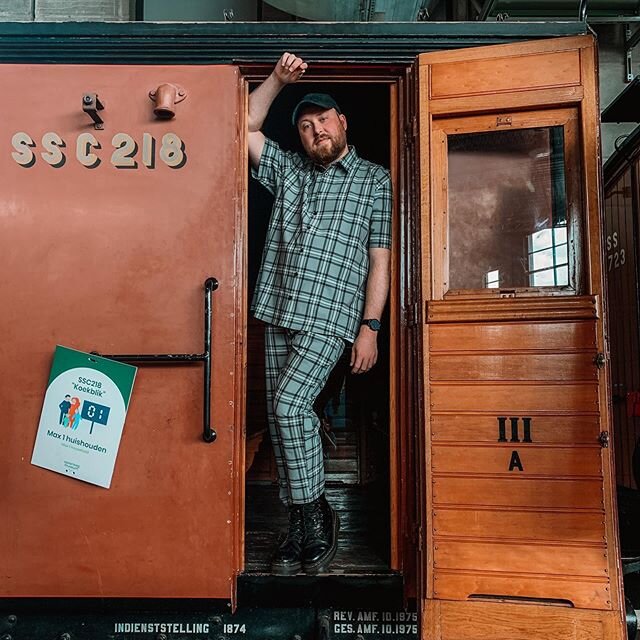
(492, 280)
(508, 209)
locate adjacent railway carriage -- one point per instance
(621, 263)
(473, 467)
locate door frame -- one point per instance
(402, 515)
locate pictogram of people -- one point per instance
(73, 417)
(65, 405)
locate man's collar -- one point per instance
(349, 160)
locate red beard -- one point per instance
(326, 154)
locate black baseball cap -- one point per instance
(323, 100)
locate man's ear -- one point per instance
(343, 119)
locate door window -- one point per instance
(511, 220)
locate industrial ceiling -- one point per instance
(410, 10)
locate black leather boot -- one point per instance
(321, 526)
(287, 559)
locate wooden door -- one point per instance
(519, 512)
(107, 237)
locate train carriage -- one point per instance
(621, 265)
(473, 468)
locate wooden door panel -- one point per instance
(113, 259)
(506, 524)
(552, 461)
(513, 366)
(587, 593)
(525, 72)
(549, 428)
(549, 559)
(515, 621)
(514, 399)
(519, 492)
(532, 336)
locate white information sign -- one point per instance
(83, 415)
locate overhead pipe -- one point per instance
(486, 9)
(583, 11)
(357, 10)
(560, 8)
(427, 9)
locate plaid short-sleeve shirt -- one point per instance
(316, 261)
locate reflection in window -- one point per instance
(492, 279)
(507, 209)
(548, 258)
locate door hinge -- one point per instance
(411, 315)
(604, 439)
(600, 360)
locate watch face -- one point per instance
(375, 325)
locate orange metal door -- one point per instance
(107, 237)
(519, 511)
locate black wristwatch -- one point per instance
(372, 323)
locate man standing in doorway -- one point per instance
(323, 282)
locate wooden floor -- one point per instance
(364, 529)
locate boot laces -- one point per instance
(296, 523)
(314, 518)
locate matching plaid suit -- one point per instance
(311, 292)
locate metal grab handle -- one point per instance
(582, 11)
(208, 434)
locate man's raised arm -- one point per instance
(288, 69)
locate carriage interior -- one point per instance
(354, 410)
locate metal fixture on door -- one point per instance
(208, 434)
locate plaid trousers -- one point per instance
(297, 365)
